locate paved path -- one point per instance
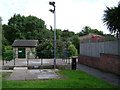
(109, 77)
(19, 73)
(22, 73)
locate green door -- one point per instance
(21, 52)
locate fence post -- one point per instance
(14, 60)
(6, 60)
(28, 58)
(41, 60)
(3, 61)
(69, 60)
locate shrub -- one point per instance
(72, 50)
(8, 47)
(8, 55)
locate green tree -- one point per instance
(111, 18)
(76, 42)
(45, 49)
(14, 28)
(86, 30)
(66, 34)
(1, 46)
(30, 27)
(72, 51)
(58, 34)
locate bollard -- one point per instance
(73, 63)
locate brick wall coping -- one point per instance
(89, 56)
(109, 54)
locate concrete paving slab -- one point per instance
(24, 74)
(18, 75)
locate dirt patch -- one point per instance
(5, 75)
(62, 76)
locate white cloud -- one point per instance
(70, 14)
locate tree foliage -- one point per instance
(72, 50)
(31, 27)
(86, 30)
(112, 18)
(21, 27)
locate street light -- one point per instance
(53, 11)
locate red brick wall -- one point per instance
(90, 61)
(106, 62)
(110, 63)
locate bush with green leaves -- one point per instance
(8, 55)
(72, 50)
(8, 47)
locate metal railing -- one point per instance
(12, 56)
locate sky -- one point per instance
(71, 15)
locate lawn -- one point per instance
(70, 79)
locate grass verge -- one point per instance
(70, 79)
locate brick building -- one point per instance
(25, 48)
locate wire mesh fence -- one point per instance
(98, 38)
(95, 45)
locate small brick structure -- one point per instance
(27, 46)
(106, 62)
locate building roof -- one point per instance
(25, 43)
(90, 35)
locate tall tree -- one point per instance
(21, 27)
(86, 30)
(112, 18)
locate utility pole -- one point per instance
(54, 12)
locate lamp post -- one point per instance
(53, 11)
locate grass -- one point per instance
(70, 79)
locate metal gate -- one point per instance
(21, 53)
